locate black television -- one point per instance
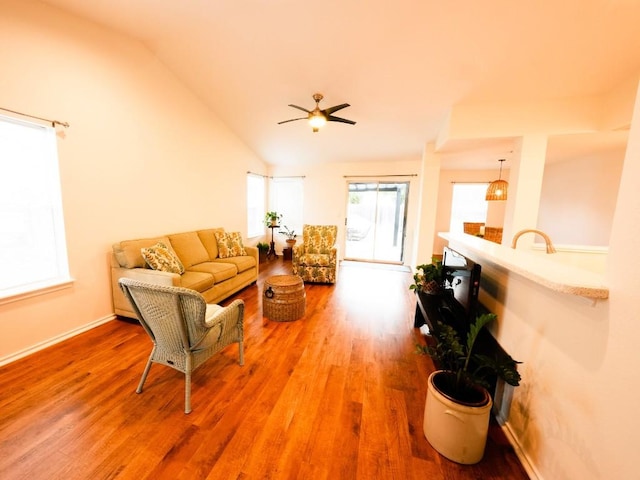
(462, 284)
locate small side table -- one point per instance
(272, 246)
(284, 298)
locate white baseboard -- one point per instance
(517, 448)
(52, 341)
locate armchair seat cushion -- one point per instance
(315, 259)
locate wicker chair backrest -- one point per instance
(172, 316)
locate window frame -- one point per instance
(31, 211)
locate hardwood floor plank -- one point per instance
(338, 394)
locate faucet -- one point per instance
(547, 240)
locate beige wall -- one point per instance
(142, 156)
(578, 198)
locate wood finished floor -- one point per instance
(336, 395)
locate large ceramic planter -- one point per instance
(457, 431)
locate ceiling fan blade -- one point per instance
(330, 110)
(299, 108)
(331, 118)
(292, 120)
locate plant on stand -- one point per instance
(287, 253)
(458, 404)
(271, 219)
(290, 234)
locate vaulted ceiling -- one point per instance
(401, 65)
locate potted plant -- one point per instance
(458, 404)
(271, 219)
(263, 248)
(429, 278)
(290, 234)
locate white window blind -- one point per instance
(33, 251)
(287, 195)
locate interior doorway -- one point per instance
(376, 221)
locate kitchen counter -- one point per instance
(537, 268)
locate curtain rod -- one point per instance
(380, 176)
(267, 176)
(52, 122)
(480, 182)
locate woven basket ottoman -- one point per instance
(284, 298)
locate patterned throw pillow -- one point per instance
(159, 257)
(230, 244)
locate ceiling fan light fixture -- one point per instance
(318, 117)
(317, 120)
(497, 190)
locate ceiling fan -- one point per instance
(317, 118)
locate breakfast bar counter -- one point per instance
(552, 275)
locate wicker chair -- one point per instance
(316, 258)
(184, 329)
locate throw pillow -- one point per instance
(230, 244)
(159, 257)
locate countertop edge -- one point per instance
(576, 281)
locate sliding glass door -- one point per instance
(376, 221)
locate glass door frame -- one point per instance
(399, 220)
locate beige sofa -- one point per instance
(204, 271)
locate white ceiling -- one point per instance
(401, 65)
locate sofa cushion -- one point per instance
(230, 244)
(218, 270)
(128, 252)
(189, 248)
(198, 281)
(208, 238)
(242, 263)
(160, 257)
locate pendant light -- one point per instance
(497, 190)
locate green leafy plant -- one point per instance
(271, 218)
(262, 246)
(430, 277)
(464, 370)
(289, 233)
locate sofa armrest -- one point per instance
(149, 276)
(252, 252)
(120, 304)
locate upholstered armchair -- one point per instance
(184, 329)
(316, 258)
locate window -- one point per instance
(468, 205)
(255, 205)
(33, 251)
(286, 199)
